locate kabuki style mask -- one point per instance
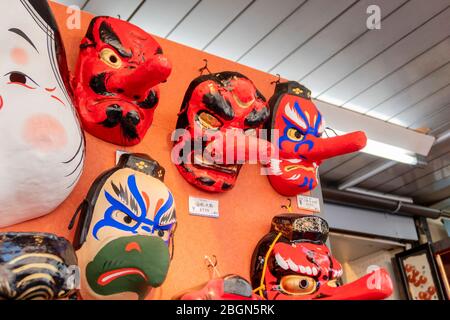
(124, 231)
(116, 80)
(292, 262)
(230, 287)
(300, 141)
(216, 106)
(42, 150)
(37, 266)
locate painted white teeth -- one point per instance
(308, 270)
(292, 265)
(283, 264)
(314, 271)
(302, 269)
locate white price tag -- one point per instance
(308, 203)
(118, 154)
(204, 207)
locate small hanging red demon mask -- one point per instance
(292, 262)
(230, 287)
(115, 84)
(214, 106)
(300, 142)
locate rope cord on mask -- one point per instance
(261, 284)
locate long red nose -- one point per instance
(376, 285)
(135, 82)
(325, 148)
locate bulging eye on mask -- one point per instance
(299, 140)
(37, 266)
(292, 262)
(124, 235)
(42, 153)
(214, 105)
(116, 80)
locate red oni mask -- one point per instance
(230, 287)
(115, 84)
(302, 148)
(301, 267)
(216, 104)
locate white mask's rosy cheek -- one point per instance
(19, 56)
(44, 133)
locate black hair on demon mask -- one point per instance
(115, 84)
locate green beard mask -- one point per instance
(129, 264)
(125, 231)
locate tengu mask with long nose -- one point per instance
(292, 262)
(299, 140)
(125, 229)
(115, 83)
(214, 106)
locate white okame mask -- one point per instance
(42, 149)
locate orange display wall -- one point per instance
(245, 211)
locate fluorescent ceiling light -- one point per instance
(387, 151)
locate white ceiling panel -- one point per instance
(413, 94)
(159, 17)
(421, 66)
(206, 21)
(393, 28)
(113, 8)
(336, 35)
(295, 30)
(398, 55)
(250, 26)
(78, 3)
(424, 108)
(434, 120)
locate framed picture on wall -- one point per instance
(441, 251)
(419, 273)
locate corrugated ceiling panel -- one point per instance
(424, 64)
(336, 35)
(112, 8)
(350, 167)
(433, 196)
(430, 183)
(333, 163)
(206, 21)
(373, 183)
(395, 182)
(436, 120)
(406, 183)
(159, 17)
(424, 108)
(294, 31)
(402, 52)
(250, 26)
(409, 17)
(421, 90)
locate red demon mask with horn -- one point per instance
(299, 139)
(292, 262)
(215, 106)
(115, 84)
